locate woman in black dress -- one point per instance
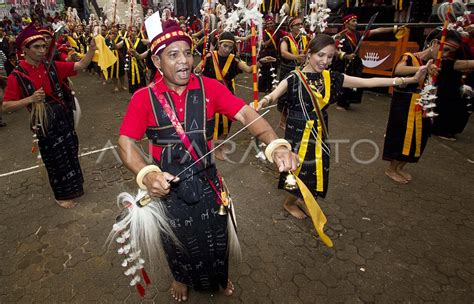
(311, 90)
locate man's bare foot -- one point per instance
(125, 88)
(396, 177)
(66, 204)
(293, 209)
(230, 289)
(179, 291)
(405, 175)
(341, 108)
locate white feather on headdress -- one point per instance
(284, 10)
(318, 16)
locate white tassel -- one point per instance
(234, 244)
(145, 226)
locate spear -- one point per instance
(206, 31)
(115, 12)
(443, 38)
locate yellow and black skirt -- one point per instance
(407, 130)
(305, 137)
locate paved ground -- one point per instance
(411, 243)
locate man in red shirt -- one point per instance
(176, 113)
(38, 86)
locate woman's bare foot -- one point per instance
(230, 289)
(219, 154)
(66, 204)
(405, 175)
(293, 208)
(179, 291)
(396, 177)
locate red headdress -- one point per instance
(27, 36)
(348, 18)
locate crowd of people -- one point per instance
(183, 108)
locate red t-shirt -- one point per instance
(140, 114)
(39, 78)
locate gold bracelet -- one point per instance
(144, 171)
(395, 28)
(403, 80)
(275, 144)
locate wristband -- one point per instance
(395, 28)
(275, 144)
(144, 171)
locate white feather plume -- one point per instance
(146, 224)
(318, 16)
(284, 10)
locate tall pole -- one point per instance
(253, 42)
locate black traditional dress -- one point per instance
(269, 71)
(58, 144)
(407, 131)
(305, 128)
(201, 259)
(349, 67)
(135, 67)
(452, 108)
(296, 46)
(224, 69)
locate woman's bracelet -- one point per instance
(275, 144)
(395, 28)
(144, 171)
(402, 80)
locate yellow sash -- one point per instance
(295, 47)
(271, 38)
(134, 63)
(115, 68)
(414, 125)
(315, 212)
(318, 153)
(317, 99)
(292, 8)
(414, 120)
(220, 74)
(400, 5)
